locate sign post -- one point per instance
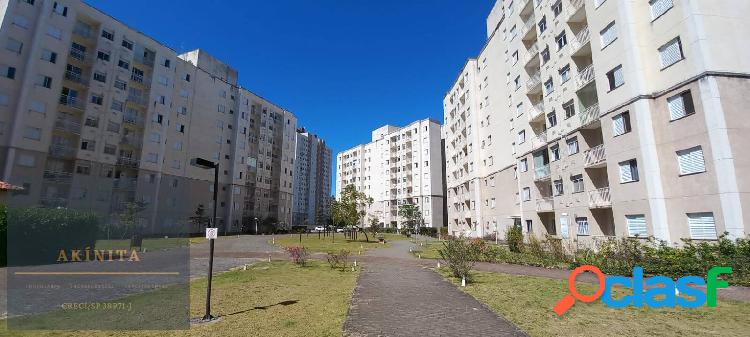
(211, 234)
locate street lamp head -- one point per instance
(202, 163)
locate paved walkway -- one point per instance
(396, 296)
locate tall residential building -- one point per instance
(401, 165)
(95, 114)
(625, 116)
(312, 181)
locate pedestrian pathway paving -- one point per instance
(396, 296)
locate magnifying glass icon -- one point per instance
(568, 300)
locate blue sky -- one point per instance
(343, 67)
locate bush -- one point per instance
(460, 255)
(298, 254)
(444, 231)
(514, 237)
(429, 231)
(39, 234)
(340, 260)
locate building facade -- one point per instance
(312, 181)
(95, 115)
(624, 115)
(401, 165)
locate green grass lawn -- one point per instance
(268, 299)
(428, 250)
(336, 244)
(527, 302)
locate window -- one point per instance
(680, 105)
(702, 226)
(578, 185)
(49, 56)
(570, 109)
(120, 84)
(582, 225)
(559, 188)
(615, 78)
(44, 81)
(671, 53)
(155, 137)
(628, 171)
(100, 77)
(542, 24)
(97, 99)
(113, 127)
(32, 133)
(4, 100)
(545, 55)
(691, 160)
(178, 145)
(523, 165)
(117, 105)
(110, 149)
(127, 44)
(167, 63)
(564, 73)
(526, 194)
(598, 3)
(522, 137)
(58, 8)
(659, 7)
(92, 121)
(88, 145)
(187, 78)
(517, 82)
(636, 225)
(551, 119)
(572, 146)
(54, 32)
(561, 40)
(152, 157)
(549, 87)
(529, 226)
(176, 164)
(222, 108)
(26, 160)
(38, 106)
(554, 151)
(557, 8)
(108, 35)
(181, 128)
(519, 109)
(621, 124)
(102, 55)
(123, 64)
(163, 80)
(515, 57)
(608, 35)
(14, 46)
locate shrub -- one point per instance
(428, 231)
(460, 255)
(444, 231)
(298, 254)
(514, 237)
(340, 260)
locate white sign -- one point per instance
(211, 233)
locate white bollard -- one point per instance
(419, 256)
(273, 240)
(269, 258)
(355, 263)
(463, 281)
(244, 267)
(438, 264)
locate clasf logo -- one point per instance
(656, 287)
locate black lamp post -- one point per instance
(207, 164)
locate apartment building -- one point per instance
(312, 181)
(625, 118)
(401, 165)
(95, 115)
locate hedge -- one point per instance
(38, 234)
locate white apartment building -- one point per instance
(625, 118)
(95, 114)
(401, 165)
(312, 181)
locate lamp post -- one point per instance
(207, 164)
(256, 226)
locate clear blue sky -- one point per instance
(343, 67)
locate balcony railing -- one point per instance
(79, 55)
(59, 177)
(131, 140)
(546, 204)
(575, 6)
(583, 37)
(600, 198)
(147, 61)
(72, 102)
(542, 172)
(140, 79)
(531, 53)
(83, 31)
(534, 81)
(584, 77)
(595, 156)
(75, 77)
(528, 25)
(140, 100)
(590, 114)
(128, 161)
(68, 125)
(132, 119)
(536, 111)
(539, 140)
(62, 151)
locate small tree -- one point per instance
(412, 214)
(129, 225)
(351, 208)
(459, 255)
(514, 237)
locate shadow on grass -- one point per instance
(282, 303)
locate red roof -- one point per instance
(8, 187)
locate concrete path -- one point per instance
(396, 296)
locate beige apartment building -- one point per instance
(401, 165)
(95, 114)
(625, 118)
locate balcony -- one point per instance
(75, 77)
(536, 112)
(79, 55)
(128, 162)
(540, 140)
(68, 125)
(131, 140)
(600, 198)
(531, 54)
(140, 79)
(132, 119)
(534, 83)
(595, 157)
(584, 77)
(542, 173)
(528, 31)
(144, 60)
(53, 202)
(57, 177)
(62, 151)
(139, 100)
(581, 40)
(545, 205)
(84, 31)
(589, 115)
(575, 10)
(73, 102)
(125, 184)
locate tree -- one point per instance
(129, 224)
(411, 213)
(199, 220)
(351, 209)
